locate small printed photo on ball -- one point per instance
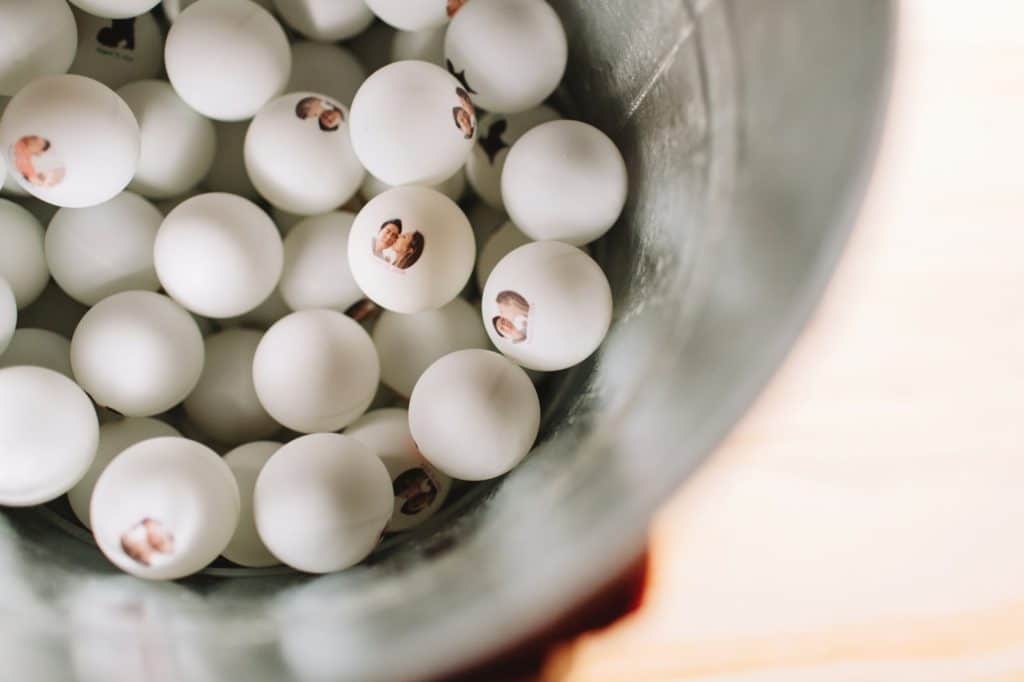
(145, 539)
(454, 6)
(512, 321)
(119, 35)
(415, 490)
(329, 115)
(398, 247)
(465, 114)
(36, 161)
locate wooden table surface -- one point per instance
(866, 520)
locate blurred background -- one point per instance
(864, 521)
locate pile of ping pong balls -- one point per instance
(276, 274)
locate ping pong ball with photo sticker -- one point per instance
(222, 71)
(246, 462)
(326, 21)
(299, 156)
(316, 371)
(70, 141)
(178, 145)
(115, 9)
(22, 254)
(547, 306)
(566, 181)
(322, 502)
(316, 273)
(327, 68)
(419, 489)
(101, 250)
(218, 255)
(414, 15)
(115, 438)
(37, 38)
(497, 408)
(411, 249)
(137, 352)
(118, 51)
(8, 315)
(412, 123)
(164, 508)
(510, 54)
(48, 435)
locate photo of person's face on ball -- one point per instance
(454, 6)
(329, 116)
(416, 490)
(396, 246)
(145, 539)
(29, 152)
(465, 114)
(512, 321)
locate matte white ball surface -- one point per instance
(411, 249)
(496, 408)
(547, 305)
(164, 508)
(512, 53)
(38, 348)
(453, 188)
(48, 435)
(316, 273)
(37, 38)
(8, 315)
(227, 58)
(115, 9)
(412, 123)
(409, 344)
(322, 502)
(22, 254)
(178, 145)
(118, 51)
(173, 8)
(326, 20)
(316, 371)
(413, 15)
(102, 250)
(323, 67)
(498, 132)
(137, 352)
(564, 180)
(246, 461)
(70, 140)
(228, 173)
(218, 255)
(299, 155)
(425, 45)
(419, 489)
(223, 404)
(115, 438)
(507, 239)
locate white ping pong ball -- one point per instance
(227, 58)
(412, 123)
(118, 51)
(316, 371)
(497, 408)
(115, 9)
(323, 67)
(48, 435)
(264, 315)
(547, 305)
(316, 273)
(246, 461)
(498, 132)
(299, 155)
(37, 38)
(413, 15)
(409, 344)
(419, 489)
(327, 21)
(99, 251)
(218, 255)
(510, 54)
(322, 502)
(70, 140)
(115, 438)
(164, 508)
(503, 242)
(38, 348)
(411, 249)
(178, 144)
(566, 181)
(8, 316)
(453, 188)
(137, 352)
(173, 8)
(22, 255)
(223, 405)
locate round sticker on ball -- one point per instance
(35, 159)
(397, 245)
